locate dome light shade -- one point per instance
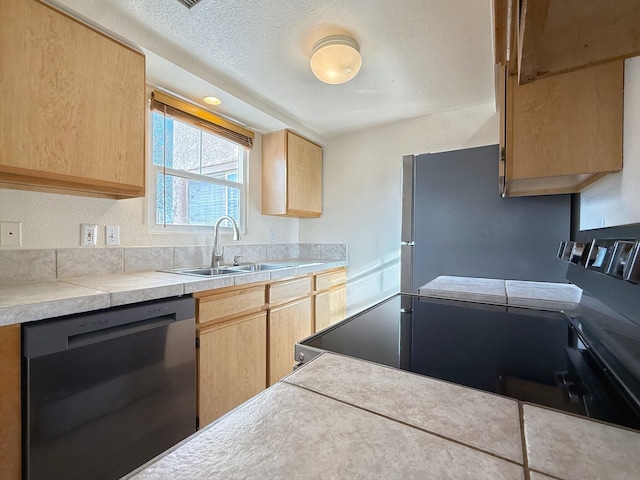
(336, 59)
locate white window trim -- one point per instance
(152, 170)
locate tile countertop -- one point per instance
(39, 300)
(542, 295)
(338, 417)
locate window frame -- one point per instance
(153, 170)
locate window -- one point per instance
(197, 174)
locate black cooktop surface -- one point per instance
(530, 355)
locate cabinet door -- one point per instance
(73, 104)
(287, 324)
(565, 131)
(10, 416)
(330, 307)
(232, 365)
(304, 177)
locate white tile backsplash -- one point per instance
(333, 251)
(310, 250)
(254, 253)
(148, 258)
(82, 262)
(26, 266)
(23, 266)
(192, 256)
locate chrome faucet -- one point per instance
(218, 253)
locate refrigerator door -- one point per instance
(461, 226)
(407, 235)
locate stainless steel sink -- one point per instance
(255, 267)
(230, 270)
(204, 272)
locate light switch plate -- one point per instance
(88, 234)
(112, 235)
(10, 234)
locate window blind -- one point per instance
(201, 118)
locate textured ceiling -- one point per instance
(419, 56)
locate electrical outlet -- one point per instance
(112, 235)
(88, 234)
(10, 234)
(273, 235)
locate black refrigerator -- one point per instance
(455, 222)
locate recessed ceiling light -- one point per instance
(212, 100)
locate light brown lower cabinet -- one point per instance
(10, 408)
(330, 299)
(287, 324)
(247, 335)
(232, 365)
(331, 307)
(232, 348)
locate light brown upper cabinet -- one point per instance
(72, 105)
(542, 38)
(557, 36)
(291, 176)
(564, 132)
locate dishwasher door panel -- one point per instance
(100, 410)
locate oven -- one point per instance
(585, 361)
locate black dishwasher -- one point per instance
(107, 391)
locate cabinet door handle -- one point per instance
(502, 180)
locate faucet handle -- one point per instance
(236, 258)
(216, 256)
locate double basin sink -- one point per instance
(231, 270)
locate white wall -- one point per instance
(362, 192)
(616, 198)
(53, 220)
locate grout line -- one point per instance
(543, 473)
(415, 427)
(523, 443)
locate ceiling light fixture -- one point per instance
(336, 59)
(212, 100)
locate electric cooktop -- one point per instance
(530, 355)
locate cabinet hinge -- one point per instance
(197, 422)
(197, 343)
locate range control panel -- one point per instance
(614, 257)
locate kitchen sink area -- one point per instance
(238, 269)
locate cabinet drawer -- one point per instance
(330, 279)
(223, 306)
(288, 290)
